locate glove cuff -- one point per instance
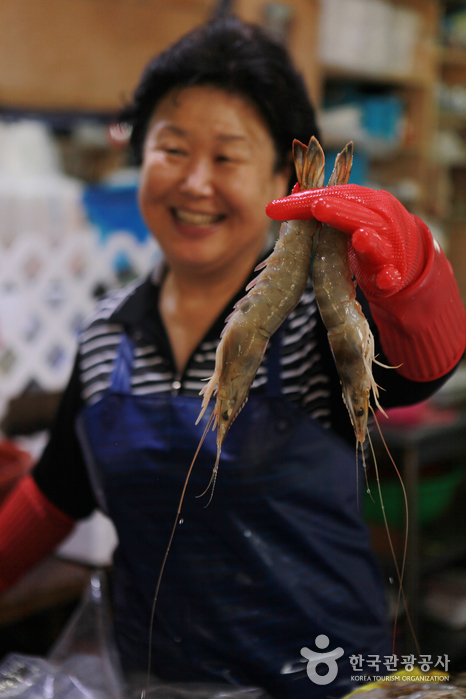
(423, 327)
(30, 528)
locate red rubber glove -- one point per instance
(402, 271)
(31, 527)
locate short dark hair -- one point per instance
(237, 57)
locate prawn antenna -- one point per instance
(401, 594)
(364, 465)
(212, 481)
(159, 580)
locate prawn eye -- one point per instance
(225, 415)
(360, 412)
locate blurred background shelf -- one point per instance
(452, 56)
(391, 79)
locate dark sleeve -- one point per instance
(396, 390)
(61, 473)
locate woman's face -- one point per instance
(207, 175)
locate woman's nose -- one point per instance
(198, 178)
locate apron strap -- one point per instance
(122, 372)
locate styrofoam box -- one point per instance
(92, 541)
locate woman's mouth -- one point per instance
(196, 218)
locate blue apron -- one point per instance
(278, 558)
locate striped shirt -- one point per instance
(303, 377)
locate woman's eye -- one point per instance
(234, 157)
(171, 149)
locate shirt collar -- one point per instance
(138, 305)
(140, 309)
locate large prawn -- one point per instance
(349, 333)
(271, 297)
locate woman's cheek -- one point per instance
(154, 184)
(239, 189)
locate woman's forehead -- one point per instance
(230, 116)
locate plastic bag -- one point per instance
(34, 678)
(199, 690)
(84, 664)
(86, 649)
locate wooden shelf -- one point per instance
(413, 159)
(415, 80)
(451, 120)
(86, 55)
(452, 56)
(453, 221)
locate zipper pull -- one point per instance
(176, 385)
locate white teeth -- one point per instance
(196, 219)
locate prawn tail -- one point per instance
(342, 168)
(309, 163)
(299, 154)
